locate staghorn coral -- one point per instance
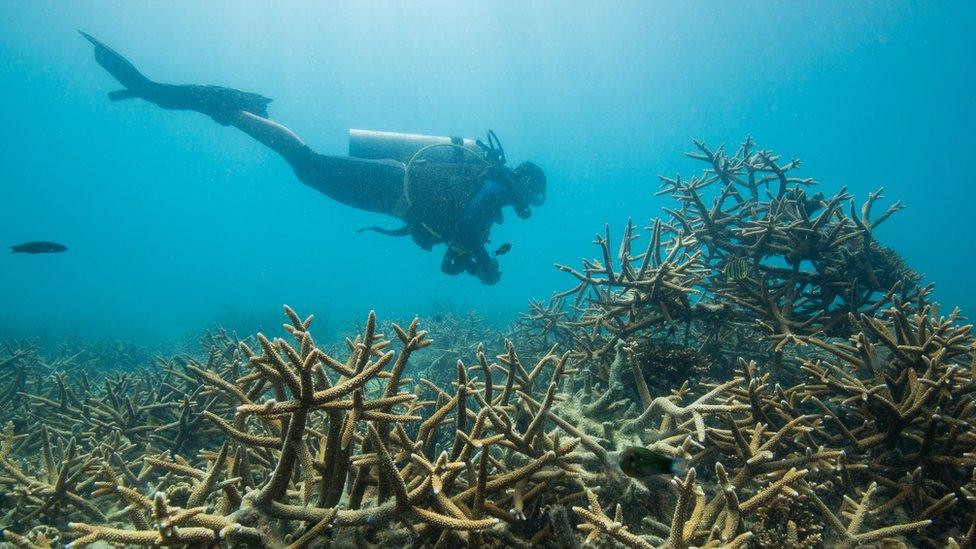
(788, 522)
(765, 433)
(836, 363)
(312, 446)
(666, 365)
(685, 522)
(808, 264)
(457, 334)
(899, 399)
(763, 338)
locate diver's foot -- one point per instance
(119, 67)
(217, 102)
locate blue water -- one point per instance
(171, 219)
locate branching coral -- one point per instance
(839, 366)
(788, 364)
(802, 264)
(321, 447)
(851, 535)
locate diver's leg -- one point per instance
(273, 135)
(248, 112)
(373, 185)
(216, 102)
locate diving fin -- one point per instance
(218, 102)
(123, 94)
(116, 65)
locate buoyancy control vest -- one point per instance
(441, 176)
(436, 195)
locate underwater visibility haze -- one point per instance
(766, 344)
(170, 217)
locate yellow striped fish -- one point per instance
(736, 268)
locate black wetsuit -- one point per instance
(452, 203)
(460, 215)
(371, 185)
(468, 252)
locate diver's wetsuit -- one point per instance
(364, 184)
(371, 185)
(484, 210)
(377, 186)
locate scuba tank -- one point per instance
(407, 147)
(376, 145)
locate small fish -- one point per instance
(638, 462)
(504, 249)
(38, 247)
(736, 268)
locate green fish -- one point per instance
(736, 268)
(638, 462)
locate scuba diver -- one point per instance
(445, 190)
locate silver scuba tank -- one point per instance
(376, 145)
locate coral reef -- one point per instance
(791, 370)
(293, 447)
(834, 379)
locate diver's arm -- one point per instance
(454, 263)
(272, 134)
(478, 216)
(485, 208)
(472, 234)
(484, 266)
(475, 262)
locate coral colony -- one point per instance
(761, 340)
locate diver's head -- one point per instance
(528, 183)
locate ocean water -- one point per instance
(174, 222)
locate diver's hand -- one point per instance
(487, 272)
(454, 264)
(490, 279)
(477, 263)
